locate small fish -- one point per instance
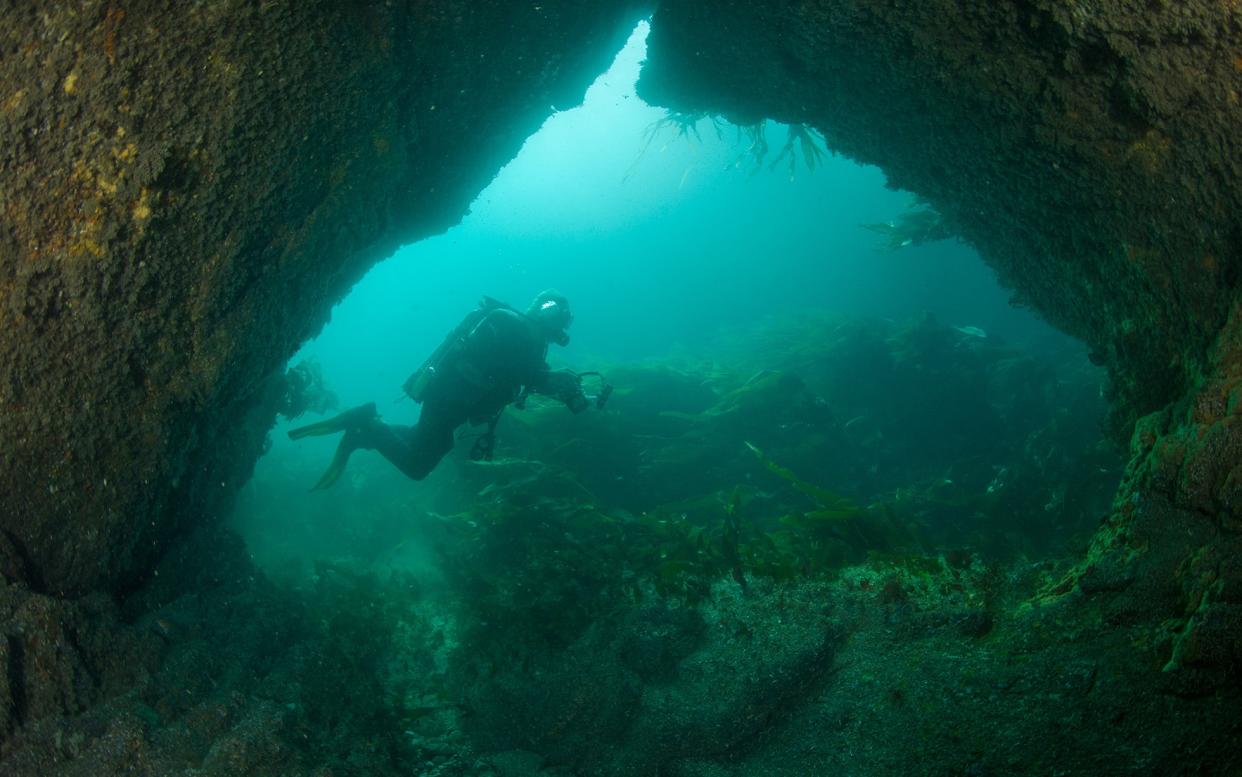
(168, 629)
(855, 421)
(971, 331)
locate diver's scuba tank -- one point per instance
(415, 386)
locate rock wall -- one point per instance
(1087, 149)
(185, 190)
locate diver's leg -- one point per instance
(415, 450)
(350, 419)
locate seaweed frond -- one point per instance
(682, 125)
(807, 140)
(757, 145)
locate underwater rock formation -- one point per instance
(185, 190)
(1089, 152)
(590, 707)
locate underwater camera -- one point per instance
(601, 398)
(605, 389)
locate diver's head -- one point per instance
(550, 310)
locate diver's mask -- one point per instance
(553, 316)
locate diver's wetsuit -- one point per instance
(504, 353)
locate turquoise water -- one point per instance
(665, 244)
(655, 249)
(825, 465)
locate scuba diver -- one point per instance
(493, 358)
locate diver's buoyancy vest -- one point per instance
(415, 386)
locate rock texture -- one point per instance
(1087, 149)
(186, 190)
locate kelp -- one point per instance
(829, 504)
(682, 125)
(729, 538)
(805, 139)
(551, 565)
(756, 149)
(834, 532)
(801, 140)
(658, 498)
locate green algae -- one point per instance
(736, 520)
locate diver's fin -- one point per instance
(334, 471)
(350, 419)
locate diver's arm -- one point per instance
(563, 385)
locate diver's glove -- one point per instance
(577, 403)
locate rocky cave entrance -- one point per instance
(186, 197)
(756, 228)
